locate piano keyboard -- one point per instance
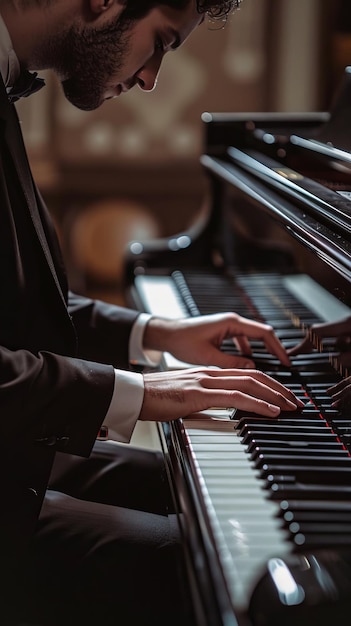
(242, 519)
(266, 484)
(170, 296)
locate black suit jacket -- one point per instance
(57, 350)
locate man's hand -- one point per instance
(169, 395)
(340, 393)
(341, 331)
(198, 340)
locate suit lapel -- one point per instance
(14, 140)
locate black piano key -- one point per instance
(314, 376)
(321, 398)
(308, 417)
(262, 423)
(298, 490)
(343, 426)
(316, 387)
(297, 387)
(313, 454)
(282, 429)
(330, 414)
(323, 434)
(318, 474)
(284, 421)
(310, 445)
(343, 416)
(317, 516)
(274, 460)
(315, 506)
(342, 540)
(278, 323)
(320, 527)
(283, 376)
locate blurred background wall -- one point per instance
(131, 169)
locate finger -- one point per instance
(246, 402)
(341, 393)
(254, 383)
(342, 398)
(301, 348)
(274, 346)
(243, 344)
(265, 333)
(334, 389)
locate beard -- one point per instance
(89, 57)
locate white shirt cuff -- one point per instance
(137, 355)
(125, 407)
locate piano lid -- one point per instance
(293, 168)
(337, 131)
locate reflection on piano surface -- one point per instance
(266, 505)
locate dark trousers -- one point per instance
(107, 550)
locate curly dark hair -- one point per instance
(217, 8)
(136, 9)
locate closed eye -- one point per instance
(159, 45)
(172, 40)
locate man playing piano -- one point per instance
(101, 541)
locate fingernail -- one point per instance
(274, 409)
(292, 405)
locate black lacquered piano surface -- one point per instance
(266, 504)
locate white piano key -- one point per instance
(243, 520)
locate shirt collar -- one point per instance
(9, 64)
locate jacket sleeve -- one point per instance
(53, 400)
(103, 330)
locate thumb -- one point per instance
(301, 348)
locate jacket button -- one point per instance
(63, 440)
(47, 441)
(51, 441)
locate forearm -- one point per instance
(103, 330)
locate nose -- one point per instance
(146, 77)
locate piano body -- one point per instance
(265, 506)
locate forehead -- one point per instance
(182, 20)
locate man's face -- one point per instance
(96, 64)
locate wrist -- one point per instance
(157, 333)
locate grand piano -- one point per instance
(265, 506)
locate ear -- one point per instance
(100, 6)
